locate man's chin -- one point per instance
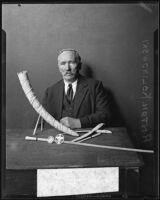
(69, 78)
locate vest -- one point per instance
(67, 109)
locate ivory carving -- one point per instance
(27, 88)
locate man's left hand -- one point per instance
(71, 122)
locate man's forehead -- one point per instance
(69, 49)
(67, 53)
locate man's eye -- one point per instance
(63, 63)
(72, 62)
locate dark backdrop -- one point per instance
(109, 37)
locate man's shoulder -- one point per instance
(55, 86)
(90, 81)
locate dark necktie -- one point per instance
(69, 93)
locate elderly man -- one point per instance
(76, 101)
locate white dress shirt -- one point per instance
(74, 87)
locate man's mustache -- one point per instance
(68, 73)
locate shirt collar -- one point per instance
(73, 84)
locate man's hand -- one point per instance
(71, 122)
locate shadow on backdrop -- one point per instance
(117, 117)
(87, 70)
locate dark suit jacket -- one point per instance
(91, 103)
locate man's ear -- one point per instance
(79, 66)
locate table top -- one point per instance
(24, 154)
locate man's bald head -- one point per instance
(73, 51)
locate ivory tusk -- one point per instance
(27, 88)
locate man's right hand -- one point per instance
(71, 122)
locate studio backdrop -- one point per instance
(115, 41)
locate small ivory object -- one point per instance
(87, 138)
(89, 133)
(59, 139)
(35, 129)
(50, 139)
(98, 131)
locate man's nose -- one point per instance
(67, 66)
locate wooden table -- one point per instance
(23, 157)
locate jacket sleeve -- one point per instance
(45, 105)
(44, 99)
(101, 113)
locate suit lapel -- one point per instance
(80, 94)
(59, 97)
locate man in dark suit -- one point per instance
(76, 101)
